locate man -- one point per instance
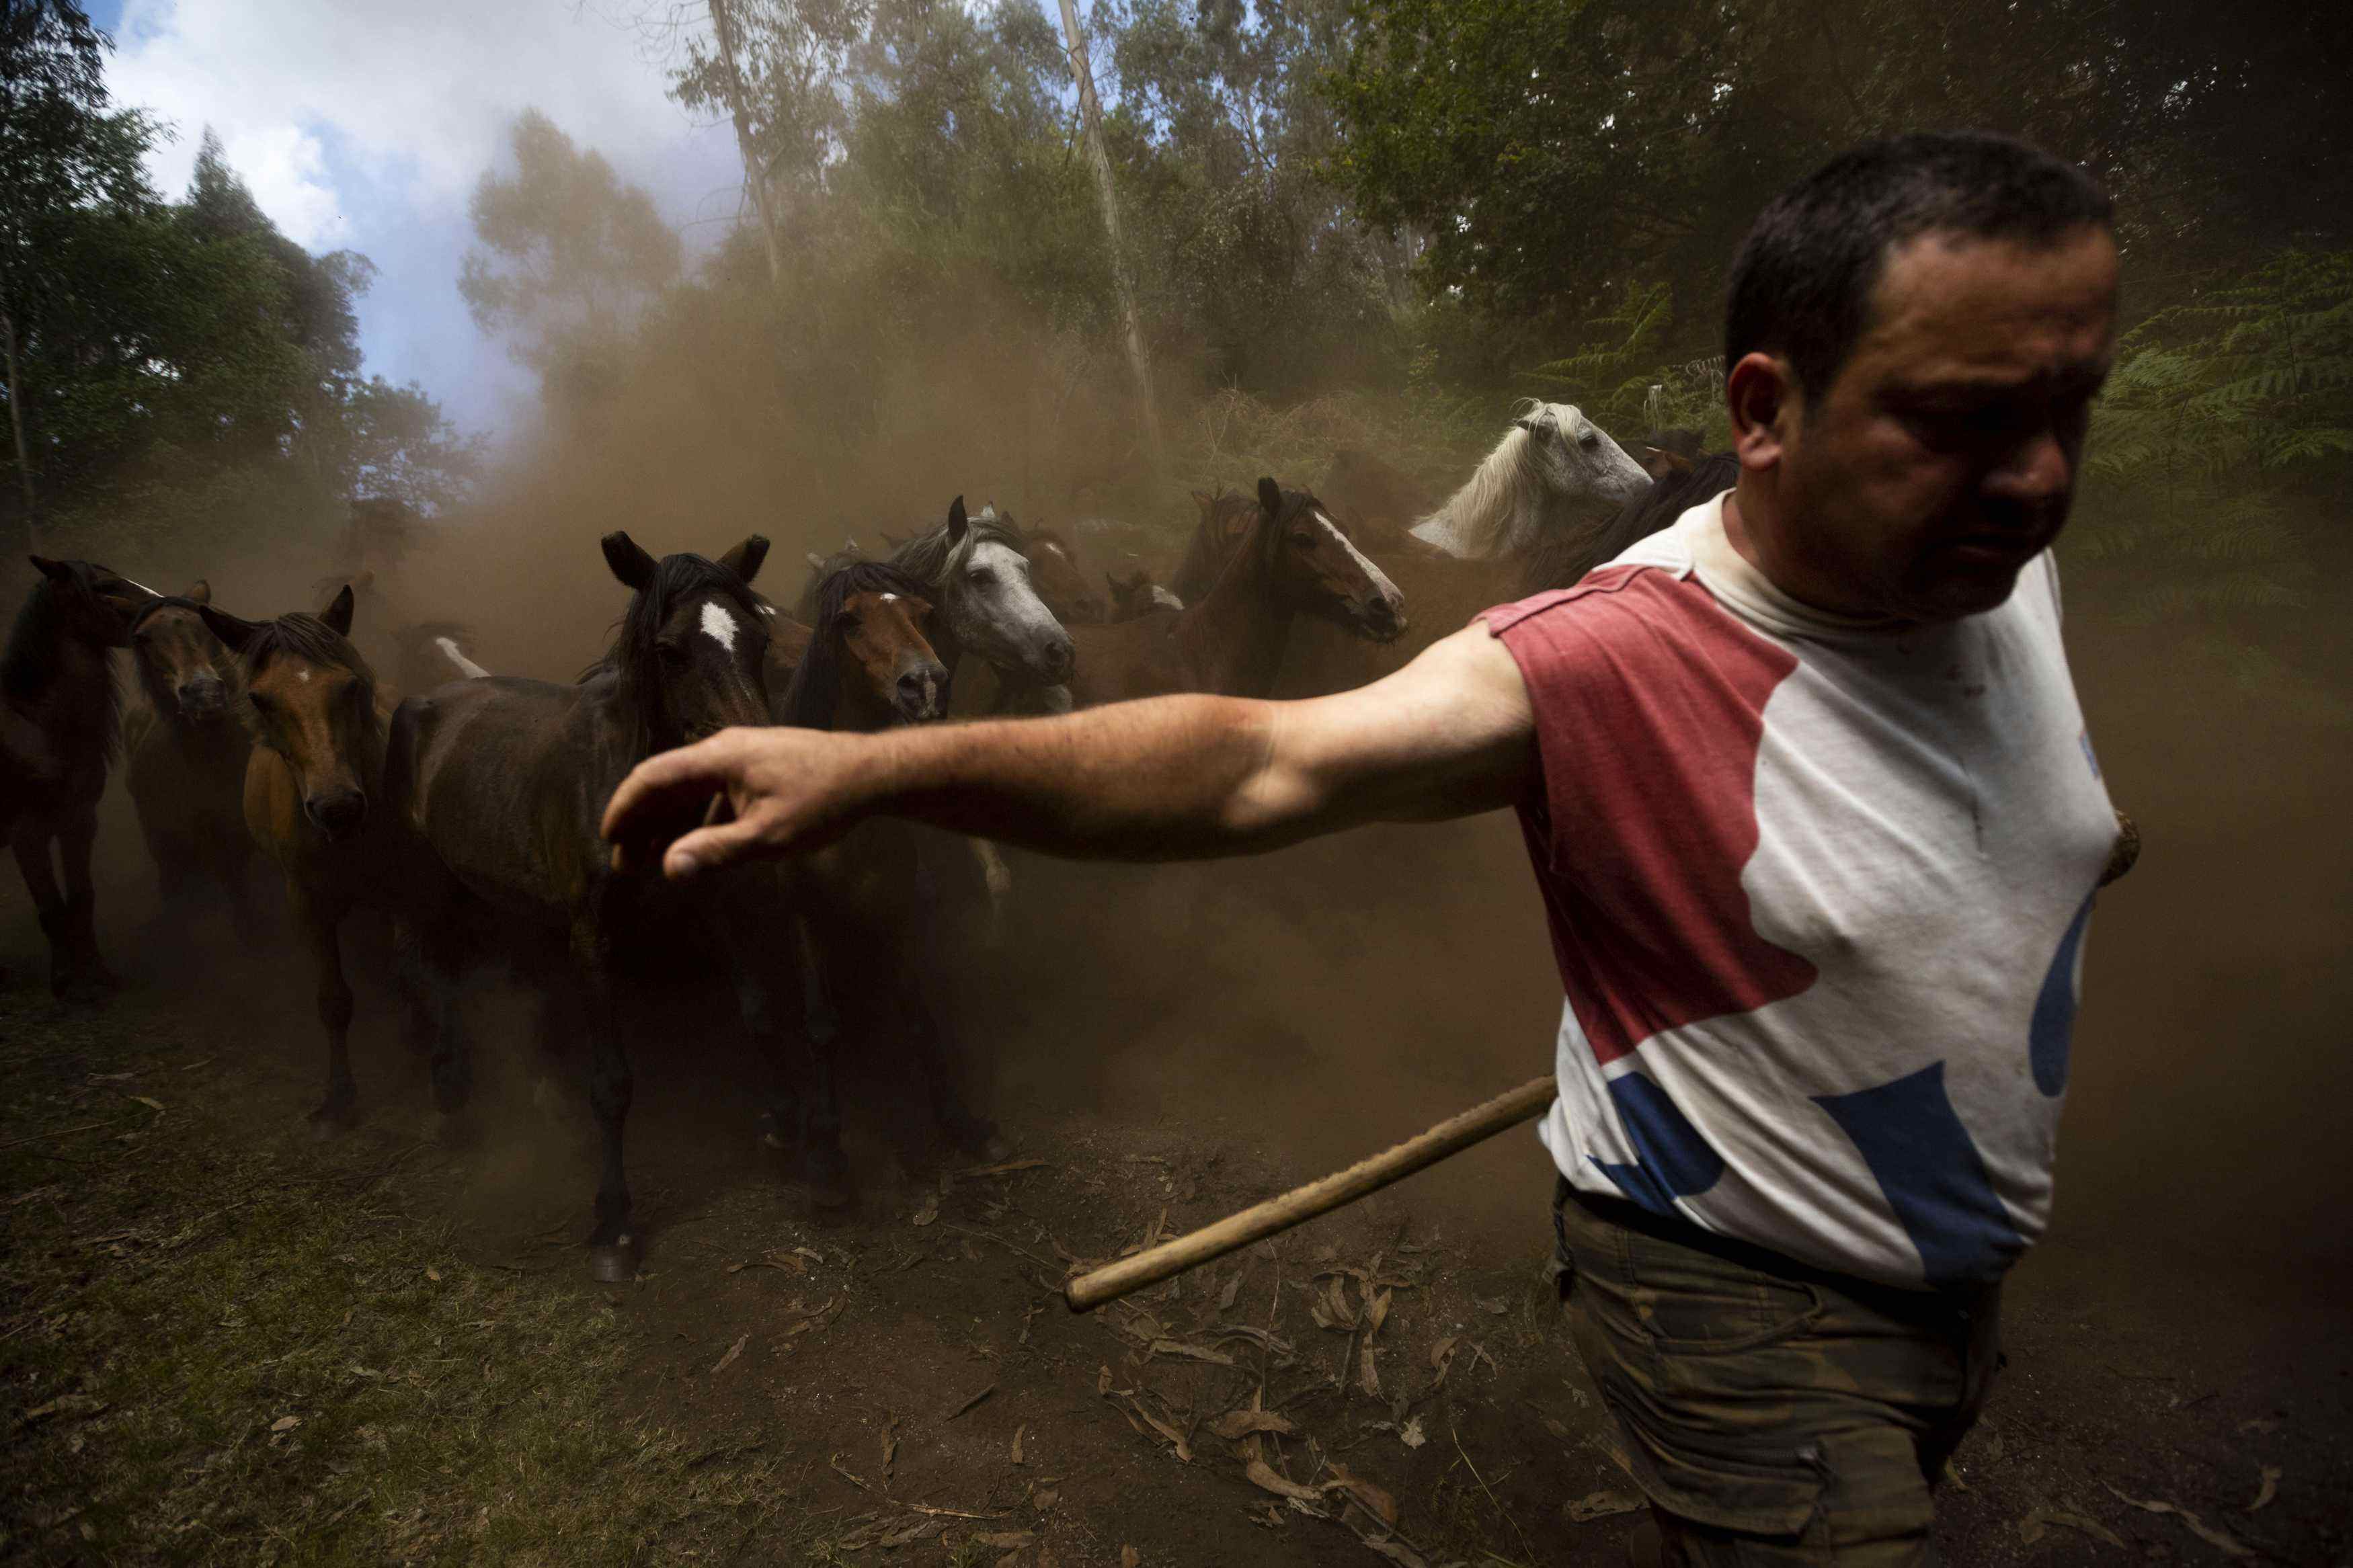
(1808, 793)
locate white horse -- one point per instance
(1553, 468)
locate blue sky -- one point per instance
(363, 124)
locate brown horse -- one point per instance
(1055, 572)
(872, 911)
(59, 725)
(1136, 595)
(493, 791)
(1286, 558)
(187, 749)
(313, 798)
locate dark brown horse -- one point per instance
(1284, 558)
(1136, 595)
(61, 724)
(313, 797)
(187, 749)
(1062, 582)
(872, 911)
(493, 791)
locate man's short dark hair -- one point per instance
(1802, 283)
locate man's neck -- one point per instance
(1783, 575)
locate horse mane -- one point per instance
(301, 634)
(1205, 557)
(1560, 559)
(30, 666)
(927, 555)
(160, 699)
(1478, 515)
(816, 691)
(633, 658)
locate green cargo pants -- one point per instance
(1774, 1414)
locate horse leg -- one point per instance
(431, 970)
(612, 1246)
(75, 842)
(31, 842)
(816, 1102)
(936, 1055)
(320, 922)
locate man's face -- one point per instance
(1943, 459)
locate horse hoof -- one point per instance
(332, 1121)
(614, 1263)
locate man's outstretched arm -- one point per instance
(1169, 778)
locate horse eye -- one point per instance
(670, 650)
(982, 574)
(1302, 538)
(1589, 439)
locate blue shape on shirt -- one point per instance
(2055, 1011)
(1671, 1159)
(1931, 1173)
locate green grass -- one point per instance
(175, 1299)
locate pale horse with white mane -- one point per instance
(1554, 469)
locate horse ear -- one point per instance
(628, 560)
(200, 591)
(1269, 497)
(55, 571)
(234, 634)
(891, 539)
(817, 562)
(746, 558)
(338, 614)
(957, 523)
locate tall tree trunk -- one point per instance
(16, 429)
(1091, 114)
(756, 168)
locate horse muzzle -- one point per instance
(202, 697)
(921, 695)
(339, 814)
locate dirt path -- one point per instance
(224, 1343)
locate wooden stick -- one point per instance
(1300, 1204)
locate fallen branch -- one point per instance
(1300, 1204)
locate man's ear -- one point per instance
(1760, 393)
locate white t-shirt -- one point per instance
(1818, 888)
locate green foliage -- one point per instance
(2219, 454)
(1618, 381)
(568, 256)
(177, 372)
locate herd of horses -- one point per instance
(468, 812)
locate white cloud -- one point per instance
(417, 94)
(365, 123)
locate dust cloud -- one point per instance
(1326, 1000)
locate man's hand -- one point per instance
(787, 790)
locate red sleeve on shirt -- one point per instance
(1649, 707)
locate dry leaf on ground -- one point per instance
(1236, 1424)
(1006, 1539)
(2039, 1521)
(1018, 1434)
(928, 1210)
(286, 1424)
(732, 1351)
(1375, 1500)
(1264, 1476)
(1600, 1505)
(1370, 1378)
(1412, 1434)
(2268, 1490)
(2220, 1540)
(1128, 1557)
(1198, 1353)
